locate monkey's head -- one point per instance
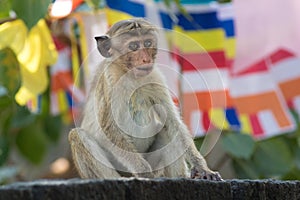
(131, 44)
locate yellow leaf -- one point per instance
(38, 53)
(13, 35)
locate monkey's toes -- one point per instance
(207, 175)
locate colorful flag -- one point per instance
(257, 97)
(221, 86)
(285, 69)
(265, 76)
(65, 96)
(202, 50)
(205, 45)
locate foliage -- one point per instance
(276, 157)
(4, 8)
(29, 133)
(238, 145)
(94, 4)
(30, 11)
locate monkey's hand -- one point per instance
(205, 174)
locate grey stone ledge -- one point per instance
(157, 189)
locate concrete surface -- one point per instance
(157, 189)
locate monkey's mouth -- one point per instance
(143, 70)
(147, 68)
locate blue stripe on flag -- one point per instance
(166, 20)
(232, 118)
(132, 8)
(69, 99)
(207, 20)
(228, 26)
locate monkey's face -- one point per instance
(139, 55)
(130, 44)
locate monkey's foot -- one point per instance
(208, 175)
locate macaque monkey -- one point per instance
(130, 126)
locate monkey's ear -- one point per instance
(104, 45)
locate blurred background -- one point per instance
(234, 71)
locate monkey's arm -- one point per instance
(199, 168)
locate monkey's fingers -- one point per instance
(195, 173)
(215, 176)
(207, 175)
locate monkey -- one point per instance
(131, 126)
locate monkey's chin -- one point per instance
(142, 71)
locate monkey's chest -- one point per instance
(145, 122)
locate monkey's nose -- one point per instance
(146, 61)
(145, 56)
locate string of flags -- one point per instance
(256, 100)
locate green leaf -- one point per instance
(245, 169)
(183, 11)
(238, 145)
(53, 126)
(10, 77)
(296, 116)
(94, 4)
(198, 142)
(297, 158)
(273, 157)
(167, 3)
(5, 8)
(5, 122)
(5, 101)
(4, 149)
(31, 142)
(22, 117)
(293, 174)
(30, 11)
(6, 111)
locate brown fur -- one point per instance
(131, 126)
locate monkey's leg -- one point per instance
(90, 159)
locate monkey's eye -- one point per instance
(133, 46)
(148, 43)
